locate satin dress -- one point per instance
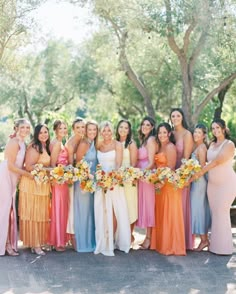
(59, 209)
(168, 234)
(84, 209)
(105, 203)
(221, 192)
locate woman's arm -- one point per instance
(202, 154)
(81, 150)
(171, 156)
(151, 150)
(133, 150)
(55, 149)
(226, 153)
(119, 154)
(31, 158)
(188, 145)
(70, 149)
(11, 151)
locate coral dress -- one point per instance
(189, 239)
(7, 200)
(131, 192)
(221, 192)
(146, 195)
(168, 234)
(104, 205)
(59, 210)
(84, 209)
(34, 208)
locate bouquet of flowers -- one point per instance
(57, 175)
(69, 174)
(187, 169)
(40, 174)
(130, 175)
(150, 176)
(105, 180)
(83, 175)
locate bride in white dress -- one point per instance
(111, 213)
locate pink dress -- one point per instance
(59, 210)
(146, 195)
(221, 192)
(7, 200)
(189, 240)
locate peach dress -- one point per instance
(221, 192)
(168, 234)
(34, 208)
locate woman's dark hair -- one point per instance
(220, 122)
(142, 138)
(204, 130)
(169, 130)
(77, 120)
(129, 136)
(184, 122)
(36, 143)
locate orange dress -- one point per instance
(168, 234)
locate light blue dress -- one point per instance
(200, 211)
(84, 210)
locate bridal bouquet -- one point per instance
(105, 180)
(57, 175)
(69, 174)
(40, 174)
(130, 175)
(187, 169)
(83, 175)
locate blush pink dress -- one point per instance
(146, 195)
(221, 192)
(7, 200)
(189, 240)
(59, 209)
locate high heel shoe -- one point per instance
(38, 251)
(60, 249)
(202, 245)
(10, 251)
(146, 244)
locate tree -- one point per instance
(43, 83)
(191, 29)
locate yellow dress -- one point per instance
(131, 192)
(34, 209)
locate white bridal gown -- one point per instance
(104, 204)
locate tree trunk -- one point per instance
(221, 98)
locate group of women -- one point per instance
(103, 221)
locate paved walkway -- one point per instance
(139, 272)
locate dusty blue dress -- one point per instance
(84, 210)
(200, 211)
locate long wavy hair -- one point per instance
(36, 143)
(142, 138)
(222, 124)
(180, 110)
(168, 129)
(129, 136)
